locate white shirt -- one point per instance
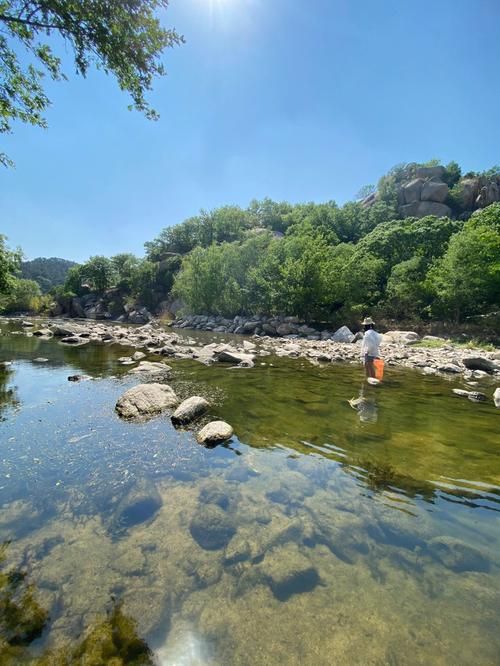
(371, 343)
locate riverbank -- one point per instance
(430, 355)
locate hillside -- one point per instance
(47, 272)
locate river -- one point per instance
(320, 534)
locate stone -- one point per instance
(138, 356)
(62, 331)
(343, 334)
(456, 555)
(480, 363)
(151, 367)
(214, 433)
(74, 341)
(433, 208)
(400, 337)
(146, 399)
(211, 527)
(189, 410)
(40, 359)
(409, 210)
(286, 329)
(231, 356)
(469, 189)
(411, 191)
(462, 393)
(288, 572)
(434, 190)
(126, 360)
(238, 550)
(249, 346)
(27, 324)
(140, 504)
(43, 332)
(451, 368)
(269, 328)
(78, 378)
(496, 397)
(431, 172)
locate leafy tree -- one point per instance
(406, 293)
(365, 191)
(9, 263)
(122, 38)
(466, 280)
(24, 296)
(125, 266)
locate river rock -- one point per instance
(496, 397)
(138, 356)
(126, 360)
(40, 359)
(62, 331)
(288, 572)
(75, 341)
(479, 363)
(456, 555)
(343, 334)
(78, 378)
(450, 368)
(43, 333)
(27, 324)
(400, 337)
(231, 356)
(215, 432)
(146, 399)
(151, 367)
(189, 410)
(139, 505)
(211, 527)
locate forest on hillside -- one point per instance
(318, 261)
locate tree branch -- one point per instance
(33, 24)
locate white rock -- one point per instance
(146, 399)
(190, 409)
(151, 367)
(215, 432)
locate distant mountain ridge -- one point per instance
(47, 272)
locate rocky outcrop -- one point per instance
(146, 399)
(425, 195)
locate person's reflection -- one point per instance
(365, 405)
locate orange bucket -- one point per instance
(379, 368)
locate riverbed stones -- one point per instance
(480, 363)
(456, 555)
(215, 432)
(211, 527)
(139, 505)
(288, 572)
(189, 410)
(151, 367)
(146, 399)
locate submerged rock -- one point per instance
(215, 432)
(474, 396)
(496, 397)
(211, 527)
(139, 505)
(40, 359)
(43, 333)
(288, 572)
(75, 341)
(145, 399)
(456, 555)
(151, 367)
(189, 410)
(78, 378)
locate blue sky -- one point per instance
(299, 100)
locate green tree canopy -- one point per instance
(123, 38)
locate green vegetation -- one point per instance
(321, 262)
(48, 273)
(121, 38)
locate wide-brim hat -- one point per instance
(367, 321)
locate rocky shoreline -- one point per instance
(398, 348)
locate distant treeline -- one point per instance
(48, 273)
(322, 262)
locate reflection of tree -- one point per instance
(7, 394)
(381, 477)
(22, 619)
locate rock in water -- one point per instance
(456, 555)
(189, 410)
(138, 356)
(214, 433)
(479, 363)
(146, 399)
(496, 397)
(139, 504)
(289, 572)
(151, 367)
(211, 527)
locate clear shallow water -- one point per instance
(321, 534)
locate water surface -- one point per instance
(321, 534)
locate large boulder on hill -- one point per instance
(410, 210)
(412, 190)
(190, 409)
(433, 208)
(434, 190)
(431, 172)
(469, 189)
(146, 399)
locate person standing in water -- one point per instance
(370, 346)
